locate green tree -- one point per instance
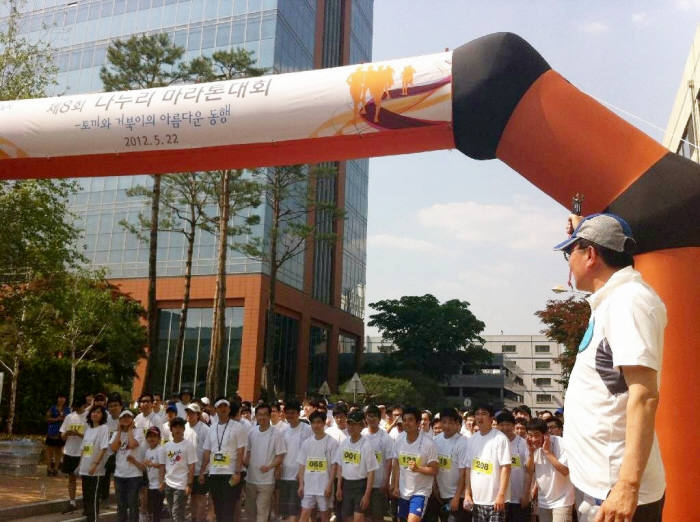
(429, 337)
(95, 323)
(37, 244)
(234, 191)
(290, 193)
(145, 62)
(26, 68)
(565, 322)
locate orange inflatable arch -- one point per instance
(494, 97)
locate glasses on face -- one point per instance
(567, 253)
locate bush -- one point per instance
(384, 390)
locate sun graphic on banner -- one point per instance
(10, 150)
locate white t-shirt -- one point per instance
(317, 455)
(395, 434)
(626, 329)
(94, 440)
(113, 427)
(356, 459)
(123, 468)
(554, 489)
(293, 439)
(383, 447)
(223, 442)
(197, 435)
(486, 455)
(424, 452)
(156, 456)
(338, 434)
(142, 423)
(465, 432)
(181, 409)
(73, 422)
(178, 457)
(518, 460)
(451, 453)
(263, 447)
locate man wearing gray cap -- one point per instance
(611, 401)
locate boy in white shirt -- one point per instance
(154, 461)
(555, 497)
(289, 504)
(128, 468)
(356, 466)
(265, 451)
(180, 457)
(383, 447)
(72, 431)
(414, 469)
(449, 482)
(317, 469)
(518, 505)
(488, 474)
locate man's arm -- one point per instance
(500, 504)
(552, 458)
(642, 402)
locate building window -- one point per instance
(507, 348)
(318, 358)
(543, 381)
(347, 357)
(544, 398)
(195, 352)
(542, 365)
(687, 144)
(541, 348)
(284, 361)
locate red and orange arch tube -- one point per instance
(494, 97)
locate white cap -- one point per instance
(126, 413)
(205, 400)
(220, 402)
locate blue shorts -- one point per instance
(412, 506)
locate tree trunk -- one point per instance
(13, 394)
(219, 324)
(152, 260)
(73, 364)
(268, 376)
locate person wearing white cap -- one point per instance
(196, 432)
(222, 459)
(614, 462)
(129, 468)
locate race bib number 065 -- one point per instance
(316, 465)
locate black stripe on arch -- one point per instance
(663, 205)
(489, 77)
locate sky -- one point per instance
(458, 228)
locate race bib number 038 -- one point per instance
(481, 466)
(351, 457)
(316, 465)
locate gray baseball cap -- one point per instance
(605, 230)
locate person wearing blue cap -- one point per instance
(611, 401)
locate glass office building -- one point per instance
(285, 35)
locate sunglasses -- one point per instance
(567, 253)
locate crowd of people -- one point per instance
(201, 460)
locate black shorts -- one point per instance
(288, 501)
(353, 491)
(69, 464)
(55, 441)
(199, 489)
(378, 503)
